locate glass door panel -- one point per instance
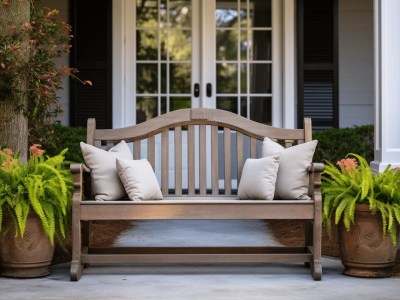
(163, 57)
(243, 34)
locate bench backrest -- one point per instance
(205, 127)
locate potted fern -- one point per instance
(366, 207)
(35, 202)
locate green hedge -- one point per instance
(334, 144)
(66, 137)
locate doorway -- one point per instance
(192, 53)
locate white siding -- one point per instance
(356, 63)
(63, 7)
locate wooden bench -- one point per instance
(195, 202)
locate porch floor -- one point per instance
(240, 281)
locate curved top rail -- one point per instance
(198, 116)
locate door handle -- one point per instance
(196, 90)
(209, 90)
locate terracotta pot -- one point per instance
(25, 257)
(364, 250)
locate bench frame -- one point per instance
(200, 206)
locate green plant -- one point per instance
(42, 184)
(352, 182)
(28, 54)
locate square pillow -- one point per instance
(292, 179)
(258, 178)
(105, 181)
(139, 179)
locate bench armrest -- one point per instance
(314, 186)
(78, 171)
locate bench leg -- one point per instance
(76, 270)
(317, 237)
(76, 264)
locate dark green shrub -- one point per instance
(66, 137)
(335, 143)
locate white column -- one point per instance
(289, 63)
(387, 84)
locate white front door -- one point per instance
(196, 53)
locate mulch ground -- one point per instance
(289, 233)
(103, 234)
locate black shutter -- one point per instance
(318, 63)
(91, 54)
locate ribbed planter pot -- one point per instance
(25, 257)
(364, 250)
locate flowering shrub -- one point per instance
(27, 54)
(43, 184)
(351, 182)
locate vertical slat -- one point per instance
(136, 150)
(164, 162)
(151, 151)
(90, 131)
(191, 164)
(214, 160)
(227, 152)
(253, 148)
(178, 160)
(307, 130)
(288, 143)
(202, 160)
(239, 147)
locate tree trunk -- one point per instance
(13, 123)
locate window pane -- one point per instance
(164, 78)
(180, 78)
(146, 108)
(179, 103)
(180, 45)
(260, 78)
(146, 44)
(146, 14)
(243, 106)
(164, 44)
(227, 44)
(146, 78)
(261, 109)
(180, 14)
(260, 13)
(226, 14)
(243, 13)
(227, 103)
(243, 78)
(243, 45)
(164, 105)
(227, 78)
(260, 45)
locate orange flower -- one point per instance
(35, 150)
(348, 165)
(8, 151)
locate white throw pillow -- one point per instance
(105, 181)
(292, 179)
(258, 178)
(139, 179)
